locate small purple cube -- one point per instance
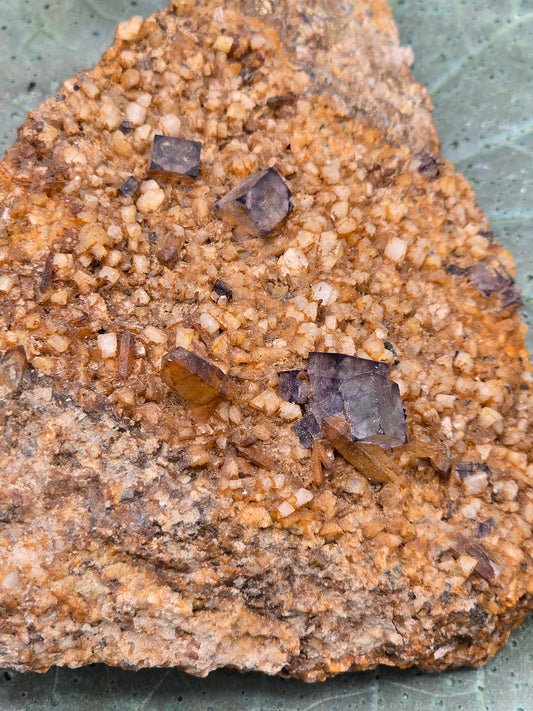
(175, 156)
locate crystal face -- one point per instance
(258, 203)
(353, 390)
(294, 386)
(491, 277)
(193, 378)
(129, 187)
(374, 410)
(176, 156)
(222, 289)
(307, 430)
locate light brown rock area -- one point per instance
(147, 525)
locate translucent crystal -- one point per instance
(293, 386)
(374, 410)
(177, 156)
(129, 187)
(258, 203)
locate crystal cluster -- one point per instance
(258, 203)
(352, 397)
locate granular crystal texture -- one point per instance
(175, 156)
(162, 504)
(258, 203)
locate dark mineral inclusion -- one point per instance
(176, 156)
(258, 203)
(355, 389)
(129, 187)
(491, 277)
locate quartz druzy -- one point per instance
(352, 388)
(175, 156)
(258, 203)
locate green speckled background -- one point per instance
(476, 57)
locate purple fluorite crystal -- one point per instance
(354, 389)
(491, 277)
(307, 430)
(294, 386)
(465, 469)
(129, 187)
(222, 289)
(258, 203)
(177, 156)
(374, 410)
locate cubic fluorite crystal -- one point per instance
(357, 390)
(374, 409)
(176, 156)
(258, 203)
(129, 187)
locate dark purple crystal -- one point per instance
(222, 289)
(428, 166)
(177, 156)
(491, 277)
(326, 372)
(129, 187)
(342, 366)
(307, 430)
(510, 297)
(354, 389)
(258, 203)
(465, 469)
(294, 386)
(126, 127)
(374, 410)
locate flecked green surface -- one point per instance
(476, 57)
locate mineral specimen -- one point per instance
(140, 527)
(374, 409)
(258, 203)
(175, 156)
(294, 386)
